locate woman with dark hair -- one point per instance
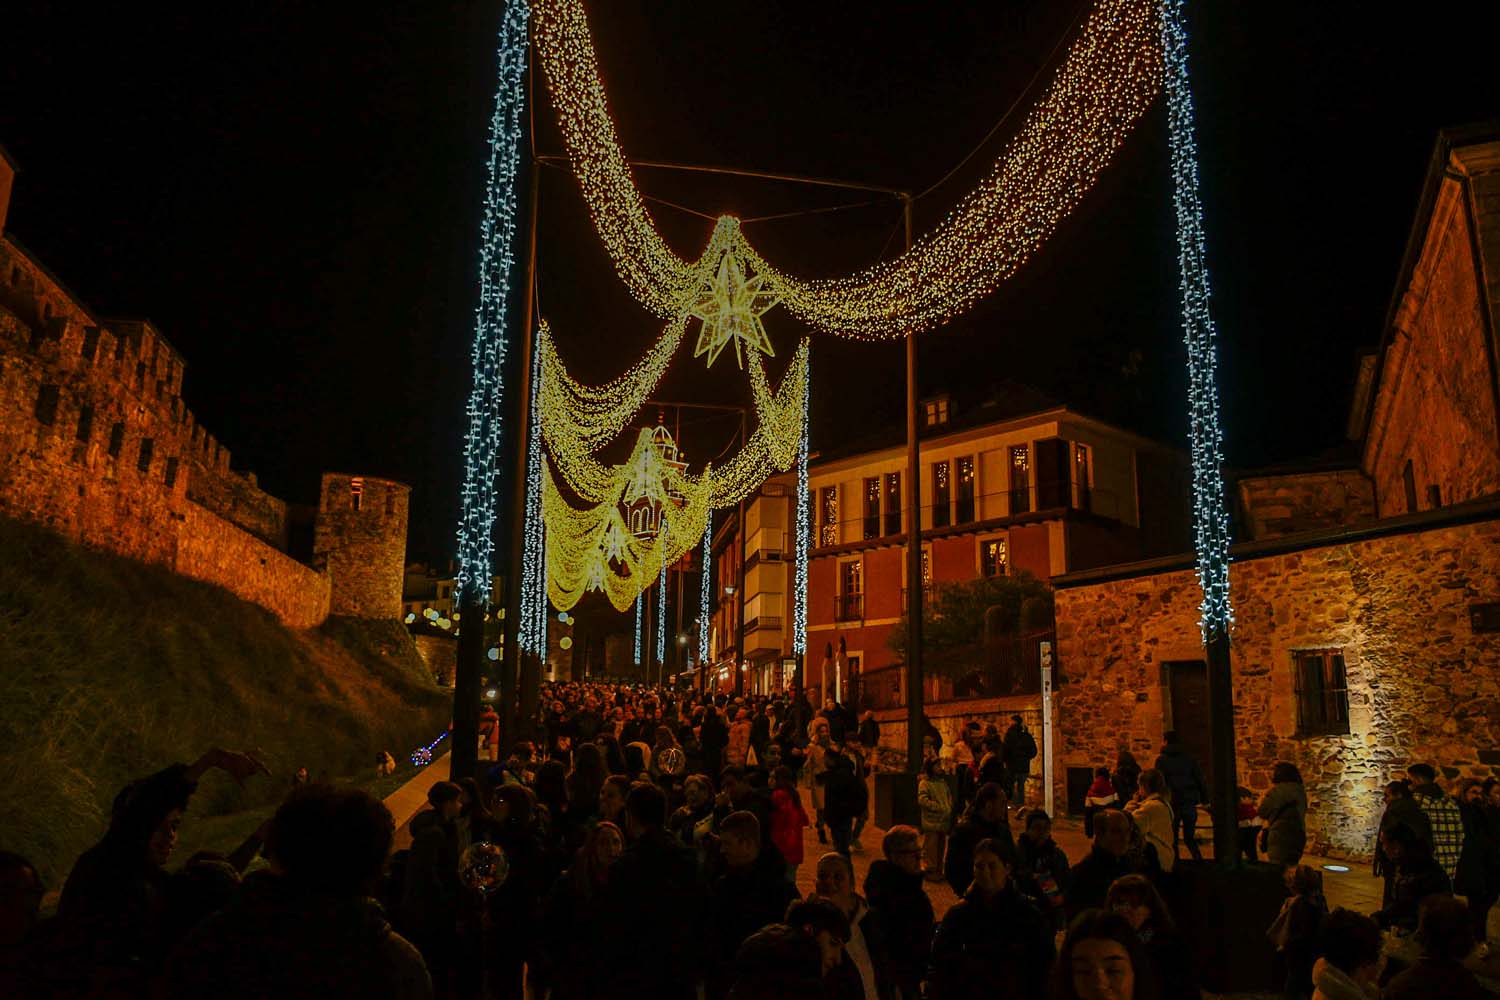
(585, 780)
(612, 799)
(993, 942)
(1401, 808)
(512, 906)
(1417, 875)
(1478, 879)
(567, 959)
(1136, 899)
(983, 820)
(1126, 774)
(1102, 959)
(614, 757)
(1284, 811)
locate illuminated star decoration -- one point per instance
(730, 306)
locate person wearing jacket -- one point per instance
(788, 820)
(845, 798)
(864, 972)
(1447, 939)
(1126, 775)
(895, 892)
(1101, 795)
(566, 965)
(1417, 876)
(1400, 809)
(431, 892)
(1283, 811)
(983, 820)
(993, 942)
(1153, 817)
(935, 799)
(1042, 867)
(1188, 788)
(1136, 899)
(1350, 962)
(1479, 865)
(751, 893)
(1443, 816)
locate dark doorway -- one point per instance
(1187, 681)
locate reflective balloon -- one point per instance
(671, 761)
(484, 867)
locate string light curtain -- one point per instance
(802, 528)
(533, 625)
(476, 543)
(661, 614)
(1112, 73)
(637, 654)
(1210, 516)
(704, 583)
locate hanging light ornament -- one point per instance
(730, 306)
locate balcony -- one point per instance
(849, 608)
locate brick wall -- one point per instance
(1422, 684)
(212, 549)
(1272, 506)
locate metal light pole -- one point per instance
(914, 690)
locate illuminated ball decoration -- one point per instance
(566, 642)
(493, 653)
(484, 867)
(671, 761)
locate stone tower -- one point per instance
(360, 538)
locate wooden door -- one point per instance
(1188, 684)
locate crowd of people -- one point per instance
(648, 844)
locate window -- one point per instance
(935, 412)
(85, 424)
(171, 475)
(143, 457)
(828, 516)
(390, 504)
(994, 557)
(1322, 692)
(942, 491)
(356, 492)
(893, 503)
(851, 591)
(965, 490)
(46, 405)
(926, 568)
(1409, 481)
(116, 439)
(872, 507)
(1082, 474)
(90, 343)
(1020, 479)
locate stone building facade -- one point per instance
(1367, 598)
(97, 444)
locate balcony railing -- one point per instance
(763, 621)
(849, 607)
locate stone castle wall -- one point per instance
(212, 549)
(1423, 685)
(360, 537)
(1284, 505)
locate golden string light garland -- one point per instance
(1112, 73)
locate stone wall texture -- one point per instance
(97, 444)
(360, 538)
(1423, 686)
(1276, 505)
(1435, 403)
(440, 653)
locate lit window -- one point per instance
(994, 557)
(893, 503)
(1082, 474)
(935, 412)
(872, 507)
(828, 516)
(926, 567)
(1020, 479)
(356, 492)
(965, 489)
(1322, 692)
(942, 491)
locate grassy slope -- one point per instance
(110, 669)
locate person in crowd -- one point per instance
(512, 907)
(831, 714)
(1101, 795)
(713, 735)
(556, 821)
(869, 740)
(307, 927)
(1443, 816)
(1089, 880)
(1478, 878)
(1042, 867)
(614, 757)
(21, 892)
(752, 892)
(894, 890)
(432, 892)
(1019, 751)
(935, 799)
(819, 742)
(1446, 937)
(1171, 964)
(113, 903)
(489, 733)
(1247, 818)
(1400, 808)
(991, 767)
(736, 793)
(1283, 811)
(984, 820)
(567, 959)
(993, 942)
(1295, 930)
(651, 905)
(672, 765)
(1189, 789)
(1348, 962)
(865, 971)
(585, 780)
(612, 799)
(1492, 792)
(1125, 775)
(778, 962)
(1153, 816)
(693, 822)
(737, 751)
(788, 819)
(823, 923)
(1417, 875)
(1102, 959)
(845, 797)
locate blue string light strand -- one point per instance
(1210, 517)
(703, 592)
(804, 514)
(534, 618)
(422, 756)
(638, 629)
(476, 543)
(661, 608)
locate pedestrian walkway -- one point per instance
(411, 798)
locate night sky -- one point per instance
(293, 198)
